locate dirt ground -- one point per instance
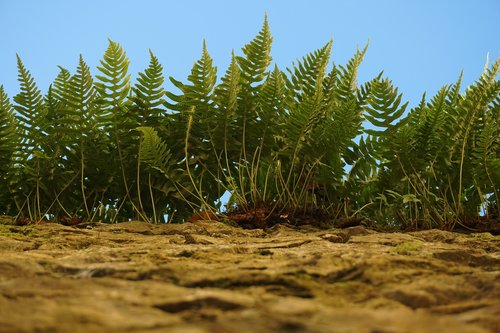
(211, 277)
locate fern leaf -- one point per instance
(60, 83)
(114, 83)
(149, 93)
(303, 118)
(8, 138)
(430, 133)
(226, 93)
(202, 78)
(487, 155)
(30, 110)
(81, 97)
(226, 100)
(272, 97)
(304, 75)
(383, 107)
(257, 56)
(55, 102)
(348, 74)
(153, 151)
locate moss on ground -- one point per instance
(408, 248)
(7, 220)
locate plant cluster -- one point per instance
(305, 141)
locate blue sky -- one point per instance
(421, 45)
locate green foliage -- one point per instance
(257, 56)
(8, 140)
(383, 106)
(114, 83)
(149, 94)
(9, 145)
(306, 140)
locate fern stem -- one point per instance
(204, 204)
(138, 182)
(82, 179)
(152, 199)
(124, 177)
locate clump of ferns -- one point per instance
(305, 140)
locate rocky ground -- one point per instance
(211, 277)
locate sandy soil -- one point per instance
(211, 277)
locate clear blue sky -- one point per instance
(420, 45)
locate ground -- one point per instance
(211, 277)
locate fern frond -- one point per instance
(81, 98)
(196, 99)
(361, 157)
(348, 74)
(454, 97)
(56, 104)
(305, 72)
(153, 151)
(486, 154)
(114, 83)
(226, 93)
(203, 77)
(430, 131)
(271, 101)
(473, 110)
(60, 82)
(383, 107)
(173, 183)
(30, 109)
(149, 93)
(226, 100)
(116, 118)
(8, 137)
(257, 56)
(301, 122)
(199, 93)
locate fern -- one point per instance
(149, 93)
(114, 83)
(172, 184)
(486, 155)
(30, 110)
(196, 96)
(8, 138)
(81, 99)
(196, 102)
(60, 83)
(113, 87)
(202, 78)
(9, 146)
(271, 110)
(89, 147)
(226, 139)
(257, 56)
(472, 112)
(304, 74)
(347, 86)
(28, 178)
(306, 107)
(253, 67)
(301, 122)
(154, 152)
(383, 107)
(116, 118)
(307, 139)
